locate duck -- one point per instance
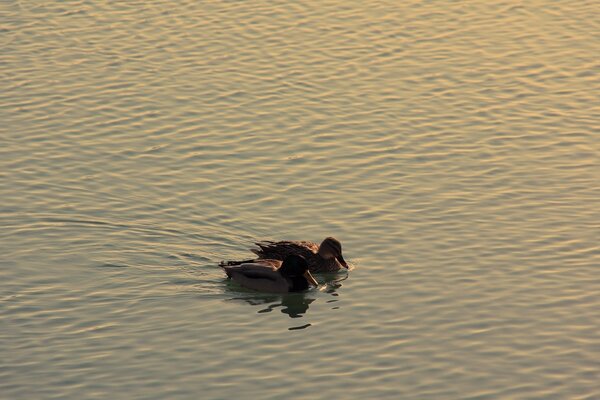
(326, 257)
(273, 276)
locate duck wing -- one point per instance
(280, 250)
(275, 264)
(266, 267)
(261, 276)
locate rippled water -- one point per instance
(452, 147)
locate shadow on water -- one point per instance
(295, 305)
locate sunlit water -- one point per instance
(452, 147)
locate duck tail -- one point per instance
(263, 248)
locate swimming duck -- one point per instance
(275, 276)
(326, 257)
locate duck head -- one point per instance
(295, 269)
(332, 248)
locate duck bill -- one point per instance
(310, 278)
(342, 261)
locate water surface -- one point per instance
(452, 147)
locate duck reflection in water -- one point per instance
(295, 305)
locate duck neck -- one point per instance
(297, 283)
(322, 256)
